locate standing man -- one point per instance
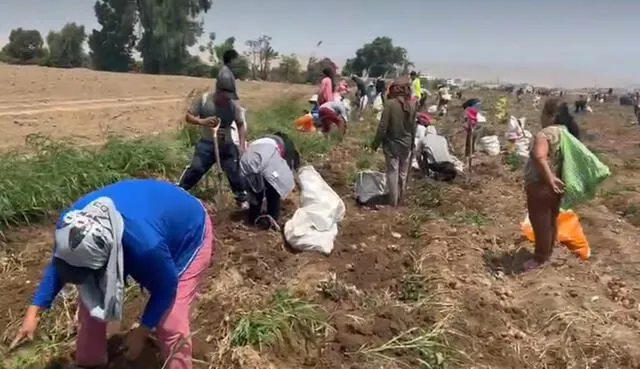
(416, 88)
(221, 107)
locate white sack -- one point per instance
(489, 145)
(314, 225)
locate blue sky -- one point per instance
(591, 38)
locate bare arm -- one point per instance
(205, 122)
(193, 119)
(241, 124)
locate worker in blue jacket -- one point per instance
(151, 230)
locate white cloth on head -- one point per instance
(92, 238)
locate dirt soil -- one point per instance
(448, 261)
(87, 105)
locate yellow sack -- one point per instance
(501, 109)
(570, 233)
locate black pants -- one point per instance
(273, 203)
(442, 171)
(204, 157)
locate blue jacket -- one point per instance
(164, 227)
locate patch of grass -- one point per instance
(55, 174)
(413, 284)
(50, 175)
(279, 117)
(334, 289)
(288, 319)
(471, 218)
(427, 195)
(428, 347)
(365, 161)
(514, 161)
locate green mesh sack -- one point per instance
(582, 171)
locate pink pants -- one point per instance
(91, 344)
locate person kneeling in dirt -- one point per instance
(151, 230)
(206, 111)
(432, 154)
(542, 176)
(396, 134)
(268, 166)
(333, 113)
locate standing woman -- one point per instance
(123, 230)
(268, 166)
(543, 181)
(396, 133)
(327, 86)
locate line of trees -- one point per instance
(162, 32)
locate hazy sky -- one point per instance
(591, 38)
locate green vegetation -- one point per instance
(287, 319)
(50, 175)
(163, 31)
(54, 174)
(470, 217)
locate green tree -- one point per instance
(112, 45)
(241, 69)
(65, 47)
(261, 54)
(315, 68)
(289, 70)
(377, 58)
(25, 46)
(210, 49)
(169, 27)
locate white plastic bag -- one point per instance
(458, 164)
(489, 145)
(314, 225)
(432, 109)
(378, 106)
(522, 147)
(370, 185)
(515, 128)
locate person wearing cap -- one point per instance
(315, 110)
(151, 230)
(221, 107)
(268, 166)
